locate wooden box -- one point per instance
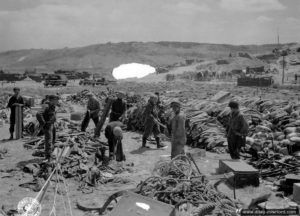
(244, 174)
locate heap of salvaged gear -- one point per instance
(84, 157)
(81, 97)
(274, 165)
(175, 182)
(135, 121)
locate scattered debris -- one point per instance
(175, 182)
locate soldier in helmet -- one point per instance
(47, 118)
(151, 122)
(114, 135)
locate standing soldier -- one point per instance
(237, 131)
(158, 98)
(118, 108)
(93, 109)
(47, 118)
(15, 100)
(151, 122)
(178, 134)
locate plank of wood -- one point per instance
(19, 121)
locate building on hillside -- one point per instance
(255, 70)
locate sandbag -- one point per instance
(285, 142)
(295, 139)
(277, 134)
(289, 130)
(295, 114)
(262, 128)
(281, 137)
(292, 135)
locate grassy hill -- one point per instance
(102, 58)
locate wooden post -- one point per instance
(103, 117)
(19, 122)
(283, 65)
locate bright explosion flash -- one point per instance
(133, 70)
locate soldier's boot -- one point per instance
(11, 136)
(158, 143)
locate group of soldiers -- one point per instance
(237, 127)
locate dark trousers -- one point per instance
(12, 121)
(86, 121)
(115, 145)
(235, 143)
(151, 127)
(111, 140)
(114, 116)
(50, 135)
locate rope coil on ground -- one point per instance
(176, 182)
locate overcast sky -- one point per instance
(73, 23)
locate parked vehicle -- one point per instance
(86, 82)
(95, 82)
(56, 80)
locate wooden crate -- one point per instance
(245, 175)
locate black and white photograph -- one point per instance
(149, 107)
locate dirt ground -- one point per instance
(143, 160)
(143, 163)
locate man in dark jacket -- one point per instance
(15, 100)
(114, 135)
(178, 133)
(237, 131)
(118, 108)
(93, 109)
(151, 122)
(47, 118)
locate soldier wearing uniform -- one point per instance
(236, 131)
(114, 135)
(118, 108)
(93, 109)
(47, 118)
(15, 100)
(178, 133)
(151, 122)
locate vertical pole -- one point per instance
(283, 64)
(234, 186)
(19, 122)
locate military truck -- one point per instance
(56, 80)
(95, 82)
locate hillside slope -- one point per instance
(102, 58)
